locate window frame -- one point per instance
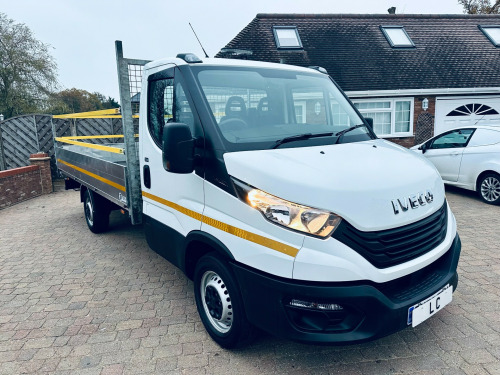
(151, 82)
(303, 105)
(392, 109)
(483, 29)
(431, 141)
(170, 73)
(474, 111)
(391, 43)
(277, 40)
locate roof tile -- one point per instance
(450, 50)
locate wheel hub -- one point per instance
(490, 189)
(216, 301)
(213, 302)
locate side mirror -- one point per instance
(423, 148)
(178, 148)
(369, 120)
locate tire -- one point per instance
(489, 188)
(96, 212)
(219, 303)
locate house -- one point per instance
(415, 75)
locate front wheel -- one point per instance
(96, 212)
(219, 303)
(489, 188)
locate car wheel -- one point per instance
(489, 188)
(96, 212)
(219, 303)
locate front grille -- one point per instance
(389, 247)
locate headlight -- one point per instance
(294, 216)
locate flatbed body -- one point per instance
(101, 171)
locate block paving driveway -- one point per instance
(72, 302)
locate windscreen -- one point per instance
(263, 106)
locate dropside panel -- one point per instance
(106, 177)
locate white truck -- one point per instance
(265, 185)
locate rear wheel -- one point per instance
(489, 188)
(96, 212)
(219, 303)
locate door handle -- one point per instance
(147, 176)
(455, 153)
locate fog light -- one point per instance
(316, 305)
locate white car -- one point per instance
(467, 157)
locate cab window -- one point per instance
(168, 102)
(160, 106)
(454, 139)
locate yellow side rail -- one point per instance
(75, 141)
(105, 113)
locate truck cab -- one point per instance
(266, 186)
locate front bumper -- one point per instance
(370, 310)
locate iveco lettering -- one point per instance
(412, 201)
(267, 188)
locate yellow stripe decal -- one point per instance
(248, 236)
(115, 150)
(93, 175)
(252, 237)
(195, 215)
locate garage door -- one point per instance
(465, 111)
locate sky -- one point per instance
(82, 33)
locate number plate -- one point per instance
(427, 308)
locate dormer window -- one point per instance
(287, 37)
(397, 36)
(492, 33)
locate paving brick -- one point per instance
(72, 302)
(478, 356)
(115, 369)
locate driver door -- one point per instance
(172, 202)
(446, 150)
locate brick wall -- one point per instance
(42, 160)
(405, 142)
(20, 184)
(418, 111)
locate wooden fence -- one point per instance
(24, 135)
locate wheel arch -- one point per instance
(83, 189)
(199, 243)
(483, 173)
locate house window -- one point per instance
(287, 37)
(397, 36)
(391, 117)
(300, 112)
(473, 109)
(492, 33)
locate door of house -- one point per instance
(466, 111)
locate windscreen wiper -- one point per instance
(341, 133)
(300, 137)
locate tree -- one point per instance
(77, 100)
(28, 73)
(480, 6)
(107, 103)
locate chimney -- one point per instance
(392, 10)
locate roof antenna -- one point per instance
(198, 40)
